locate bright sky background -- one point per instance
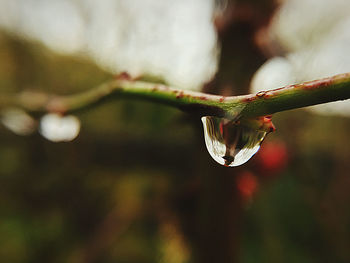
(173, 39)
(316, 36)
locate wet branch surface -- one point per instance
(233, 107)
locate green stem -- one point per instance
(260, 104)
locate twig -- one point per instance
(260, 104)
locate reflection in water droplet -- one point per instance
(229, 143)
(57, 128)
(18, 121)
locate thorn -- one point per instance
(123, 76)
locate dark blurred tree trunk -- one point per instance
(220, 219)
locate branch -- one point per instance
(260, 104)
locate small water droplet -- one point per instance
(57, 128)
(18, 121)
(230, 143)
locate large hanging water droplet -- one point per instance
(230, 143)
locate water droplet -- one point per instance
(18, 121)
(57, 128)
(230, 143)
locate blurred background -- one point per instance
(137, 184)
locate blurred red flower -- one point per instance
(272, 157)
